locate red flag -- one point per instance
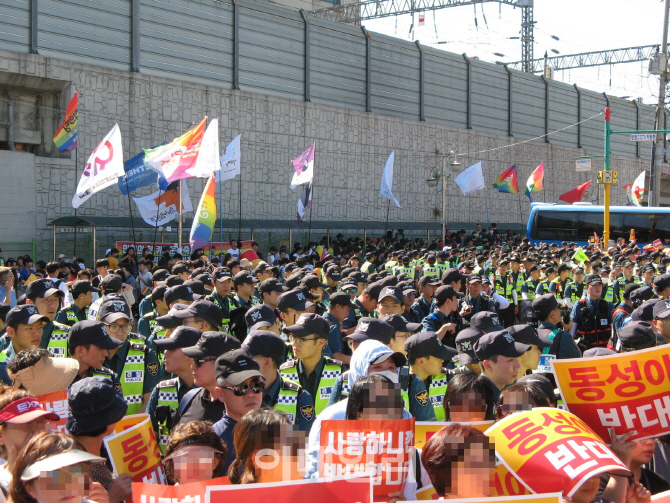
(575, 195)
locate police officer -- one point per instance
(82, 297)
(662, 286)
(530, 361)
(90, 344)
(625, 279)
(549, 314)
(504, 285)
(110, 284)
(592, 316)
(280, 394)
(223, 284)
(475, 301)
(243, 282)
(24, 330)
(369, 266)
(574, 290)
(147, 303)
(164, 400)
(405, 268)
(426, 356)
(558, 284)
(338, 309)
(543, 287)
(529, 286)
(270, 290)
(148, 323)
(422, 306)
(622, 311)
(445, 319)
(333, 275)
(312, 284)
(310, 368)
(430, 269)
(134, 362)
(43, 294)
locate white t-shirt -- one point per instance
(235, 254)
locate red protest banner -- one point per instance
(193, 492)
(339, 490)
(550, 450)
(56, 402)
(383, 449)
(627, 391)
(663, 497)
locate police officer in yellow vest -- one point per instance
(313, 371)
(280, 394)
(44, 295)
(223, 284)
(89, 343)
(148, 323)
(24, 329)
(82, 296)
(426, 356)
(430, 269)
(165, 398)
(134, 362)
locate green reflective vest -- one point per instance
(132, 375)
(436, 392)
(404, 270)
(520, 278)
(532, 286)
(509, 286)
(72, 316)
(225, 309)
(609, 293)
(57, 345)
(167, 395)
(331, 370)
(431, 271)
(287, 399)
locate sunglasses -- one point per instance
(199, 361)
(242, 389)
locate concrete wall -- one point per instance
(352, 148)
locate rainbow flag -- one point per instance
(506, 182)
(175, 160)
(68, 132)
(636, 191)
(534, 183)
(205, 217)
(146, 290)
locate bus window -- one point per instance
(648, 226)
(556, 225)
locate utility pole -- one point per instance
(655, 174)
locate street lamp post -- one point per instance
(432, 182)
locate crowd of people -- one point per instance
(238, 362)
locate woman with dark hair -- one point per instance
(50, 469)
(519, 397)
(194, 453)
(469, 397)
(460, 462)
(267, 449)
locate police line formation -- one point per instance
(216, 351)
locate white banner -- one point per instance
(160, 207)
(208, 161)
(472, 179)
(386, 188)
(231, 160)
(103, 168)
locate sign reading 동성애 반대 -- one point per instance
(383, 449)
(627, 391)
(423, 430)
(548, 449)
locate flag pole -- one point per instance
(388, 210)
(160, 192)
(130, 208)
(239, 223)
(486, 199)
(220, 215)
(311, 199)
(181, 222)
(76, 176)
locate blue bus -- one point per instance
(554, 223)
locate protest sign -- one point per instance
(552, 450)
(663, 497)
(427, 493)
(532, 498)
(155, 248)
(56, 402)
(193, 492)
(338, 490)
(506, 484)
(383, 449)
(627, 391)
(423, 430)
(133, 449)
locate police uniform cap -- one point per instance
(308, 324)
(237, 366)
(661, 309)
(465, 341)
(400, 324)
(372, 328)
(630, 288)
(637, 335)
(426, 344)
(486, 321)
(661, 282)
(526, 334)
(264, 343)
(647, 311)
(212, 344)
(498, 343)
(91, 332)
(593, 279)
(181, 337)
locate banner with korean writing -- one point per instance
(133, 449)
(552, 450)
(193, 492)
(155, 248)
(627, 391)
(338, 490)
(532, 498)
(423, 430)
(383, 449)
(56, 402)
(506, 484)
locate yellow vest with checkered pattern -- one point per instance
(133, 374)
(331, 370)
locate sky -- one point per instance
(579, 25)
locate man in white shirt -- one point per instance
(234, 250)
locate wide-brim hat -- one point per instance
(47, 376)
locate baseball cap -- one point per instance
(26, 314)
(661, 282)
(348, 284)
(392, 292)
(358, 276)
(114, 309)
(592, 279)
(429, 280)
(372, 328)
(91, 332)
(445, 292)
(486, 321)
(171, 320)
(661, 309)
(407, 288)
(82, 286)
(465, 340)
(293, 299)
(94, 404)
(264, 343)
(637, 335)
(212, 344)
(236, 367)
(223, 275)
(197, 286)
(261, 267)
(271, 285)
(243, 277)
(526, 334)
(260, 314)
(111, 283)
(182, 337)
(597, 352)
(307, 324)
(426, 344)
(201, 308)
(42, 288)
(400, 324)
(24, 410)
(641, 294)
(311, 281)
(341, 299)
(645, 312)
(498, 343)
(474, 278)
(452, 274)
(398, 358)
(180, 292)
(334, 273)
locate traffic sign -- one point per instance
(643, 137)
